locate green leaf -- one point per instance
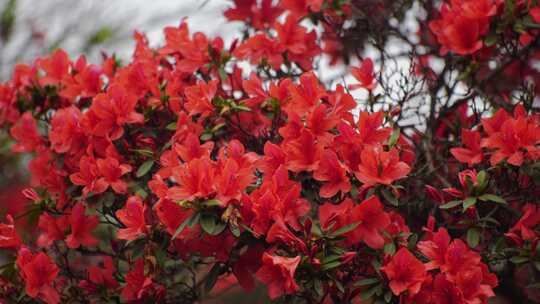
(145, 168)
(394, 137)
(242, 108)
(537, 265)
(366, 282)
(171, 126)
(182, 226)
(100, 36)
(473, 237)
(389, 248)
(388, 296)
(519, 259)
(451, 204)
(469, 202)
(206, 136)
(234, 230)
(211, 224)
(330, 265)
(345, 229)
(389, 197)
(491, 40)
(212, 203)
(330, 258)
(367, 294)
(212, 277)
(492, 198)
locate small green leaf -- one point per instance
(182, 226)
(366, 282)
(537, 265)
(389, 248)
(389, 197)
(345, 229)
(519, 259)
(145, 168)
(451, 204)
(394, 137)
(473, 237)
(234, 230)
(211, 224)
(491, 40)
(212, 203)
(206, 136)
(330, 258)
(469, 202)
(330, 265)
(492, 198)
(367, 294)
(171, 126)
(212, 277)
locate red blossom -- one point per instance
(278, 274)
(8, 235)
(137, 283)
(81, 228)
(405, 272)
(380, 167)
(39, 273)
(132, 216)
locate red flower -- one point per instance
(259, 14)
(365, 75)
(171, 215)
(112, 171)
(199, 98)
(372, 220)
(53, 229)
(39, 273)
(191, 148)
(66, 134)
(280, 233)
(332, 172)
(8, 235)
(380, 167)
(370, 128)
(26, 134)
(278, 274)
(194, 179)
(132, 216)
(81, 228)
(85, 83)
(458, 33)
(515, 139)
(303, 154)
(306, 95)
(103, 276)
(137, 282)
(273, 158)
(300, 44)
(435, 248)
(88, 176)
(260, 47)
(524, 229)
(56, 67)
(113, 110)
(231, 181)
(535, 14)
(405, 272)
(472, 154)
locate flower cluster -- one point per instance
(201, 165)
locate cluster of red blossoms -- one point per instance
(197, 167)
